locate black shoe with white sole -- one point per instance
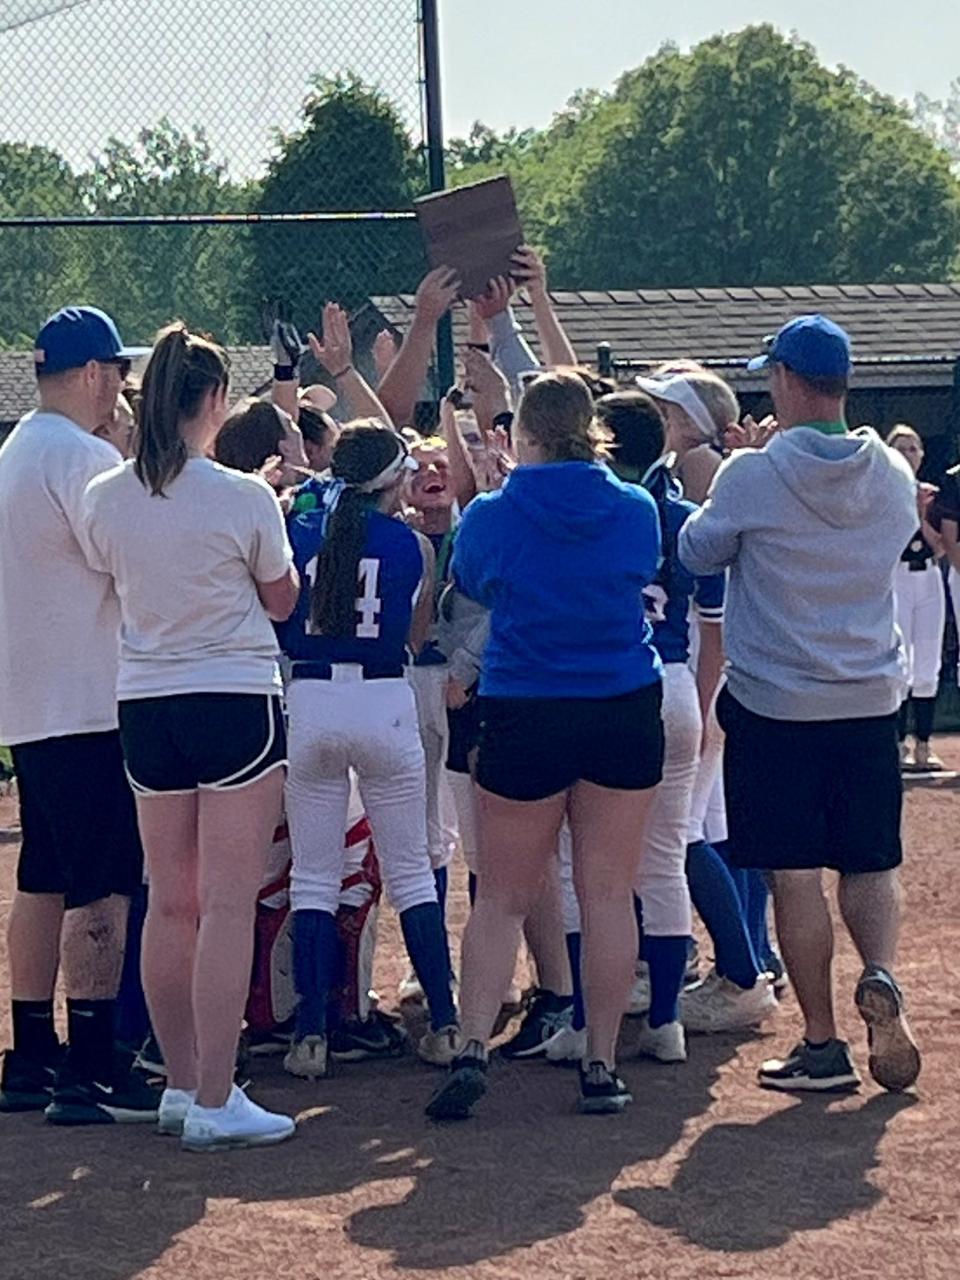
(123, 1098)
(26, 1085)
(894, 1056)
(466, 1083)
(547, 1016)
(374, 1037)
(602, 1092)
(826, 1068)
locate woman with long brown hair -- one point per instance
(201, 563)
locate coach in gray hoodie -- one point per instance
(811, 527)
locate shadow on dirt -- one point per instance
(107, 1202)
(750, 1187)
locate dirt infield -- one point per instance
(706, 1176)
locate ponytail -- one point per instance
(181, 371)
(367, 453)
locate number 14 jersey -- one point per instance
(388, 578)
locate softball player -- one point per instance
(367, 590)
(921, 615)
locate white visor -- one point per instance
(675, 388)
(391, 472)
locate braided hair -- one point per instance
(364, 451)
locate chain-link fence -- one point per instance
(144, 109)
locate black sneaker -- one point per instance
(602, 1092)
(828, 1069)
(124, 1098)
(373, 1037)
(26, 1085)
(465, 1085)
(547, 1016)
(894, 1056)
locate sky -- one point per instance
(72, 78)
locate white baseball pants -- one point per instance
(921, 614)
(430, 690)
(369, 726)
(662, 880)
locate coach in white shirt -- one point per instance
(59, 630)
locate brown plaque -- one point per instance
(475, 230)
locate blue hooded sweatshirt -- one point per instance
(560, 556)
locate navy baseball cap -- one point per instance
(812, 346)
(75, 335)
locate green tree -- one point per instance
(744, 161)
(148, 275)
(39, 269)
(352, 153)
(940, 120)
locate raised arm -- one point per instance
(286, 348)
(335, 353)
(508, 348)
(461, 468)
(404, 380)
(529, 270)
(709, 542)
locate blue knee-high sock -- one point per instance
(717, 901)
(753, 891)
(472, 887)
(316, 965)
(638, 912)
(426, 940)
(441, 880)
(667, 958)
(573, 951)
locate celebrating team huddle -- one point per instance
(613, 647)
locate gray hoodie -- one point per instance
(811, 529)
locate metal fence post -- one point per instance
(435, 163)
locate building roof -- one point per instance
(892, 325)
(250, 370)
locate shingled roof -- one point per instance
(250, 372)
(891, 324)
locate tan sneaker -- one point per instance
(307, 1058)
(439, 1048)
(925, 759)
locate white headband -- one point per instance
(402, 462)
(676, 388)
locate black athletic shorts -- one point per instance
(532, 748)
(463, 726)
(811, 793)
(78, 818)
(207, 741)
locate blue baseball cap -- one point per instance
(812, 346)
(73, 336)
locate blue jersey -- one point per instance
(667, 598)
(388, 577)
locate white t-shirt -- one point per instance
(59, 621)
(186, 567)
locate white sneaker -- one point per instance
(667, 1043)
(174, 1105)
(717, 1004)
(307, 1058)
(640, 991)
(925, 759)
(410, 990)
(439, 1048)
(567, 1046)
(238, 1123)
